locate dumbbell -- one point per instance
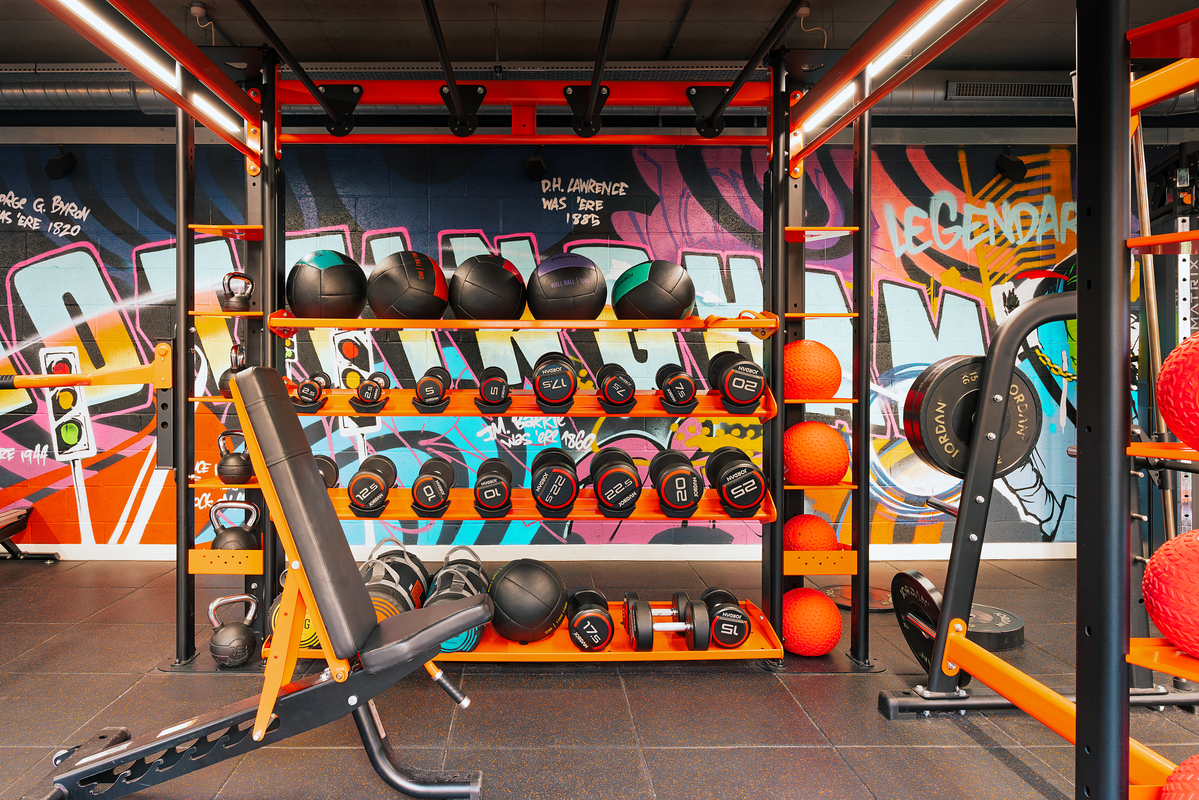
(431, 489)
(678, 602)
(555, 483)
(589, 621)
(493, 488)
(371, 388)
(679, 484)
(329, 471)
(431, 391)
(615, 388)
(730, 623)
(369, 486)
(312, 388)
(617, 482)
(693, 624)
(554, 383)
(493, 390)
(677, 387)
(738, 482)
(237, 362)
(741, 382)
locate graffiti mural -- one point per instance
(89, 266)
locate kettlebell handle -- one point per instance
(237, 357)
(220, 441)
(239, 277)
(220, 505)
(225, 601)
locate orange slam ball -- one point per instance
(1183, 783)
(1178, 391)
(810, 371)
(814, 455)
(1172, 593)
(808, 532)
(811, 623)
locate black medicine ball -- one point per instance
(654, 290)
(529, 598)
(407, 285)
(567, 286)
(487, 287)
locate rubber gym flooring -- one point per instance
(82, 641)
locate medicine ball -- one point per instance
(529, 598)
(567, 286)
(654, 290)
(326, 284)
(407, 285)
(487, 287)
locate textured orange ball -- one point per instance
(810, 370)
(1183, 783)
(808, 532)
(814, 455)
(1172, 591)
(1178, 391)
(811, 623)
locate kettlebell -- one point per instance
(237, 362)
(234, 467)
(232, 643)
(238, 287)
(234, 537)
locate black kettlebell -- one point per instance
(234, 467)
(234, 537)
(237, 362)
(238, 287)
(232, 643)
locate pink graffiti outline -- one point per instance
(492, 245)
(368, 236)
(153, 247)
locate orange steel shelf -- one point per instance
(399, 507)
(1160, 655)
(205, 561)
(215, 483)
(1168, 244)
(763, 642)
(217, 312)
(814, 400)
(839, 485)
(820, 562)
(819, 315)
(462, 404)
(1173, 451)
(799, 235)
(244, 233)
(282, 321)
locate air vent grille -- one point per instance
(977, 90)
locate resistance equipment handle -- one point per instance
(460, 700)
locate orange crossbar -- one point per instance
(1160, 655)
(157, 374)
(242, 233)
(1167, 82)
(1173, 451)
(1167, 244)
(728, 140)
(799, 235)
(1055, 712)
(282, 321)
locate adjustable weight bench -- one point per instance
(363, 657)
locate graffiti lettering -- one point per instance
(32, 223)
(37, 455)
(584, 186)
(553, 203)
(10, 200)
(578, 440)
(590, 205)
(72, 210)
(583, 219)
(1012, 224)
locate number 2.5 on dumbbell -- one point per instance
(369, 397)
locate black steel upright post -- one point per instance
(774, 277)
(1104, 405)
(272, 272)
(860, 445)
(185, 303)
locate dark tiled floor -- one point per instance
(82, 642)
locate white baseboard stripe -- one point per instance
(595, 552)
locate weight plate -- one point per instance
(618, 388)
(678, 602)
(744, 383)
(742, 487)
(730, 626)
(629, 599)
(555, 488)
(617, 487)
(994, 628)
(879, 598)
(492, 491)
(681, 488)
(494, 388)
(938, 416)
(555, 382)
(918, 609)
(429, 491)
(680, 389)
(641, 625)
(699, 635)
(591, 630)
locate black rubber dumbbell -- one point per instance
(614, 389)
(237, 362)
(617, 482)
(493, 489)
(369, 486)
(730, 623)
(431, 489)
(679, 484)
(741, 382)
(555, 483)
(368, 396)
(678, 602)
(738, 482)
(312, 389)
(678, 389)
(432, 391)
(329, 471)
(554, 383)
(693, 624)
(494, 392)
(589, 621)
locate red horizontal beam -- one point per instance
(151, 21)
(886, 29)
(947, 40)
(148, 76)
(542, 93)
(760, 140)
(1173, 37)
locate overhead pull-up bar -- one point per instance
(709, 123)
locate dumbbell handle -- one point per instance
(672, 627)
(662, 612)
(460, 700)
